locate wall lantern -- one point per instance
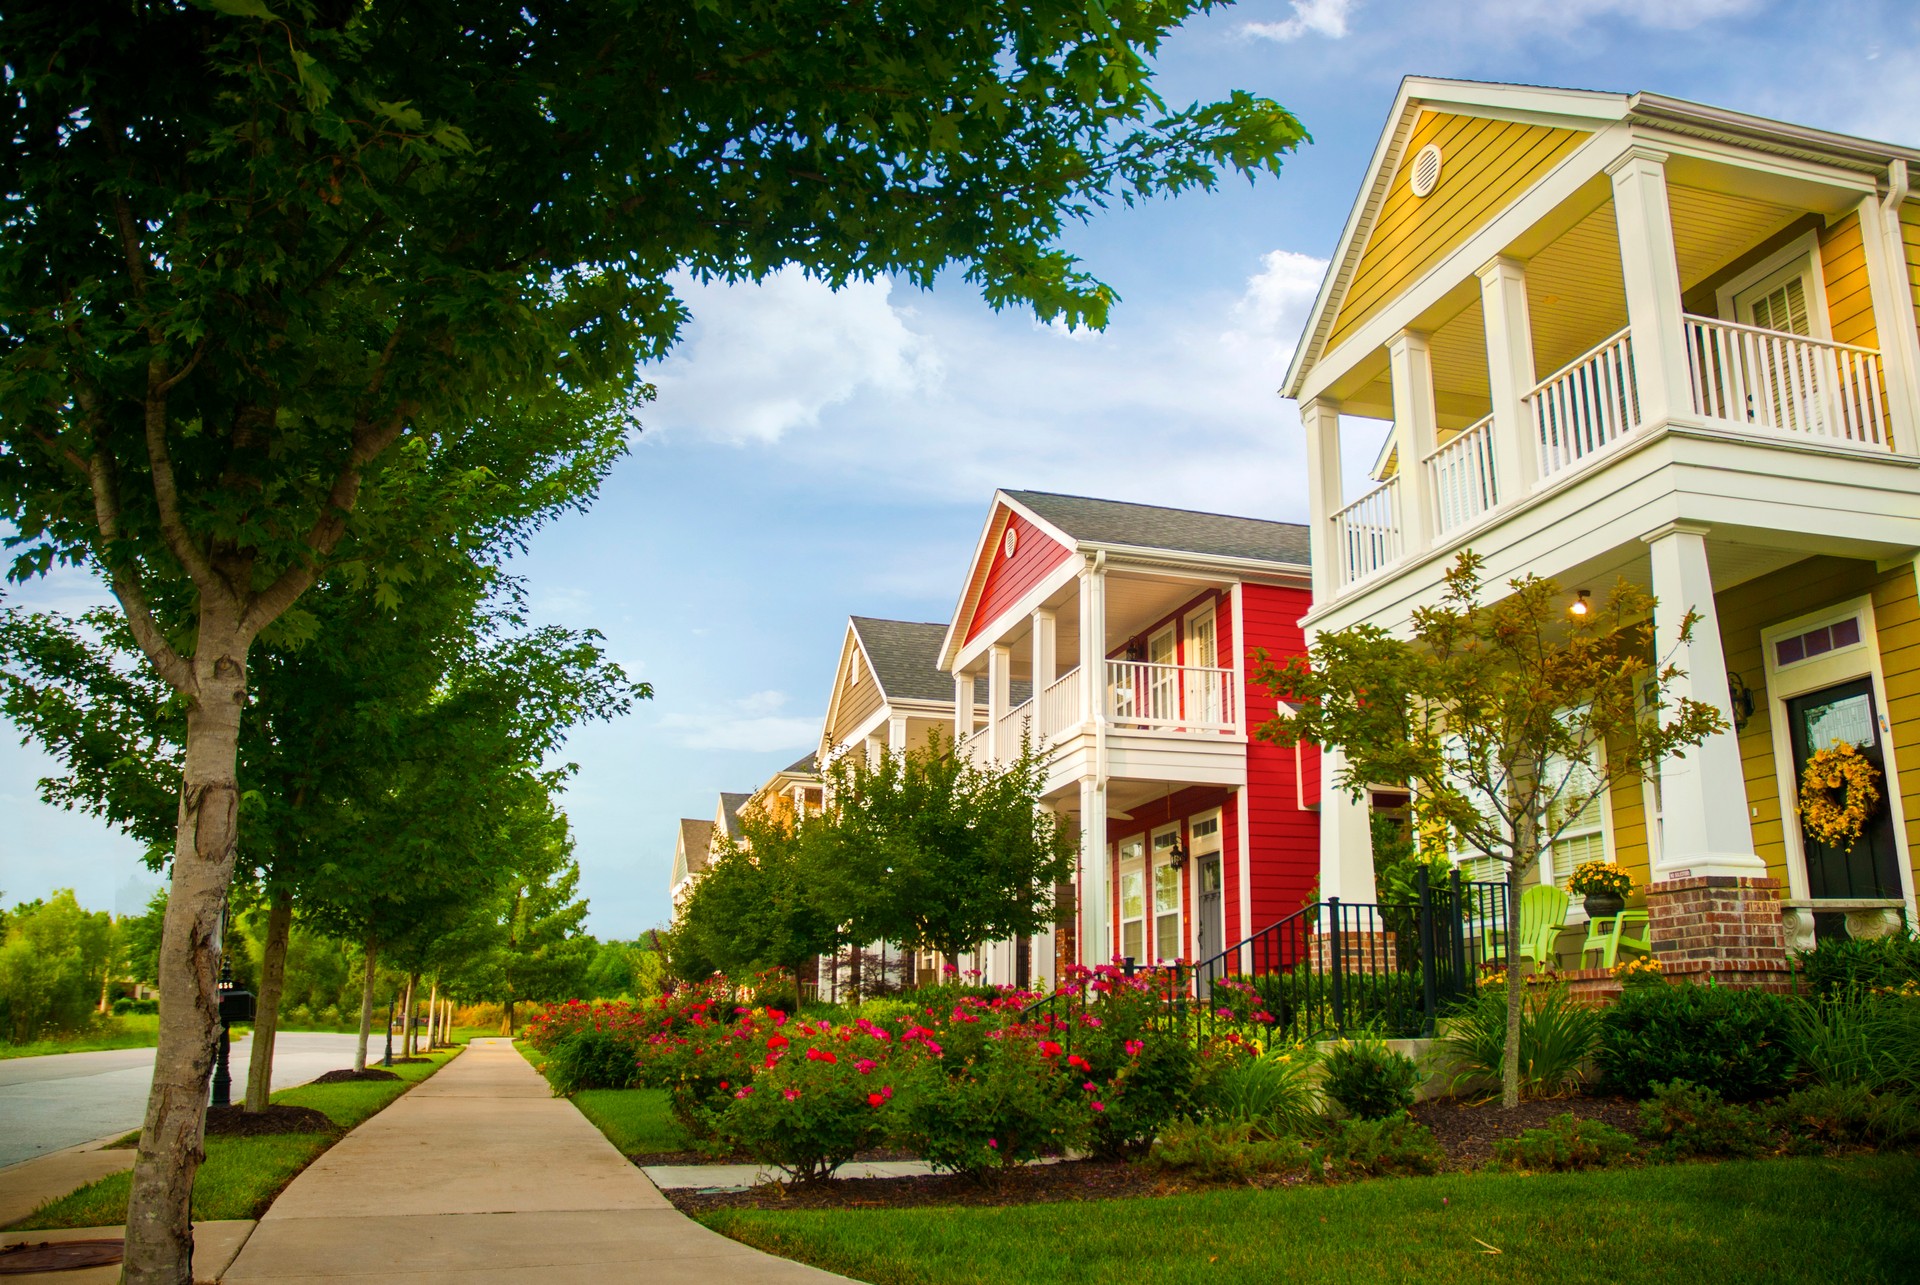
(1178, 855)
(1739, 700)
(1582, 604)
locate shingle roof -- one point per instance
(696, 837)
(730, 805)
(801, 766)
(1150, 526)
(906, 658)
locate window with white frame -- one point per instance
(1579, 804)
(1166, 895)
(1133, 899)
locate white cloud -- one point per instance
(1674, 15)
(763, 359)
(750, 722)
(1320, 17)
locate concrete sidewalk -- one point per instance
(481, 1175)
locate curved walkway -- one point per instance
(481, 1175)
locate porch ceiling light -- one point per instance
(1582, 604)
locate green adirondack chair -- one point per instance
(1543, 913)
(1608, 935)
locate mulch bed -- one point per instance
(1467, 1131)
(647, 1158)
(1070, 1180)
(353, 1077)
(237, 1122)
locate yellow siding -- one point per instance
(857, 704)
(1843, 263)
(1485, 166)
(1910, 233)
(1797, 590)
(1628, 817)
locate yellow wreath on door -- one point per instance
(1839, 790)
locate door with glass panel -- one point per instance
(1162, 676)
(1133, 899)
(1166, 896)
(1871, 867)
(1784, 380)
(1203, 694)
(1209, 937)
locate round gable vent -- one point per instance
(1012, 542)
(1426, 170)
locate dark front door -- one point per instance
(1207, 942)
(1871, 868)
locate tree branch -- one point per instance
(165, 491)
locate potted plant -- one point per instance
(1604, 886)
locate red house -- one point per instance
(1136, 626)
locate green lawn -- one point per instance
(241, 1176)
(134, 1031)
(1855, 1220)
(635, 1120)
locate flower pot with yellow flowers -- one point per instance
(1604, 886)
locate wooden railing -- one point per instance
(1586, 405)
(1183, 697)
(1015, 723)
(1366, 534)
(1062, 705)
(1786, 383)
(1461, 480)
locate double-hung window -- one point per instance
(1166, 895)
(1580, 806)
(1133, 900)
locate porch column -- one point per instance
(1095, 948)
(1509, 327)
(1415, 424)
(1044, 648)
(1704, 831)
(962, 706)
(1652, 276)
(1346, 837)
(999, 684)
(1093, 639)
(1893, 317)
(897, 733)
(1321, 419)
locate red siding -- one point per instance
(1182, 806)
(1009, 579)
(1284, 838)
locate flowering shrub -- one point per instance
(1012, 1102)
(820, 1094)
(1603, 877)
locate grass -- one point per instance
(133, 1031)
(1785, 1221)
(241, 1176)
(635, 1120)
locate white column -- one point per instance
(1415, 425)
(1893, 318)
(1321, 419)
(999, 683)
(897, 733)
(1509, 329)
(1652, 276)
(1045, 647)
(962, 707)
(1704, 831)
(1093, 639)
(1095, 948)
(1346, 839)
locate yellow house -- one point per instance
(1623, 335)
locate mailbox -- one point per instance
(236, 1006)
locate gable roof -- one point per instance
(1151, 526)
(696, 842)
(806, 766)
(730, 805)
(905, 657)
(1575, 108)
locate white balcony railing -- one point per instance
(1366, 534)
(1183, 697)
(1062, 705)
(1014, 724)
(1586, 405)
(973, 748)
(1460, 478)
(1785, 383)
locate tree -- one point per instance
(1504, 719)
(53, 966)
(248, 253)
(922, 848)
(759, 903)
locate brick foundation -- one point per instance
(1598, 987)
(1360, 952)
(1727, 925)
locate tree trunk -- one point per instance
(1516, 995)
(159, 1238)
(406, 1016)
(366, 1005)
(853, 975)
(266, 1007)
(435, 1035)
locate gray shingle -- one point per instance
(906, 658)
(801, 766)
(696, 837)
(730, 805)
(1151, 527)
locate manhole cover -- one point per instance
(59, 1256)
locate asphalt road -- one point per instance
(47, 1103)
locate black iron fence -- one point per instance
(1333, 967)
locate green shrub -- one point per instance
(1009, 1105)
(883, 1011)
(1858, 1038)
(1300, 1001)
(1370, 1080)
(1566, 1143)
(1557, 1038)
(1687, 1120)
(1856, 967)
(1272, 1093)
(1378, 1148)
(591, 1059)
(126, 1005)
(1224, 1151)
(1733, 1042)
(1847, 1115)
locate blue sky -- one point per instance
(814, 455)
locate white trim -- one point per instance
(1804, 252)
(1246, 869)
(1143, 863)
(1861, 660)
(989, 537)
(1219, 849)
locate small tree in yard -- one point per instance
(1505, 719)
(758, 904)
